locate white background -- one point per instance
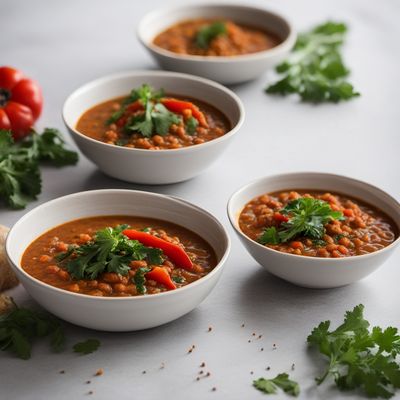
(64, 44)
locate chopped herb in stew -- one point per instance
(118, 256)
(316, 224)
(149, 119)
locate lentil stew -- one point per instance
(212, 37)
(339, 226)
(146, 119)
(96, 256)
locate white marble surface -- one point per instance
(66, 43)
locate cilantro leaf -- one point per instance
(109, 251)
(208, 33)
(163, 119)
(50, 145)
(315, 70)
(20, 179)
(307, 217)
(282, 381)
(87, 347)
(270, 236)
(191, 125)
(139, 279)
(357, 357)
(20, 327)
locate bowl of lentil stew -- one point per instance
(316, 230)
(118, 260)
(153, 127)
(228, 43)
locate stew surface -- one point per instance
(232, 40)
(182, 131)
(351, 227)
(42, 258)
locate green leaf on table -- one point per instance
(282, 381)
(315, 69)
(87, 347)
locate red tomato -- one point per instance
(21, 102)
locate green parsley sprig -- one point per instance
(359, 358)
(20, 328)
(155, 119)
(20, 179)
(315, 70)
(282, 381)
(306, 217)
(109, 251)
(208, 33)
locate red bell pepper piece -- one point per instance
(174, 252)
(280, 218)
(177, 106)
(160, 275)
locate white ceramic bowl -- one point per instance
(315, 272)
(152, 166)
(124, 313)
(227, 70)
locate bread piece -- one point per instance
(7, 276)
(6, 304)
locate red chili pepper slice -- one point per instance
(174, 252)
(280, 217)
(160, 275)
(177, 106)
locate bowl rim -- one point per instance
(17, 266)
(287, 42)
(157, 73)
(244, 188)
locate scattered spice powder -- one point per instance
(90, 392)
(274, 346)
(251, 372)
(201, 372)
(249, 341)
(202, 365)
(88, 382)
(99, 372)
(214, 389)
(293, 366)
(259, 336)
(253, 334)
(143, 372)
(162, 366)
(210, 328)
(243, 325)
(268, 368)
(208, 374)
(262, 349)
(198, 378)
(62, 372)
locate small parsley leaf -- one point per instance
(139, 279)
(282, 381)
(87, 347)
(191, 126)
(208, 33)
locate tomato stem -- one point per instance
(4, 96)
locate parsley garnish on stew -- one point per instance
(315, 70)
(208, 33)
(306, 217)
(109, 251)
(20, 179)
(282, 381)
(359, 358)
(151, 118)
